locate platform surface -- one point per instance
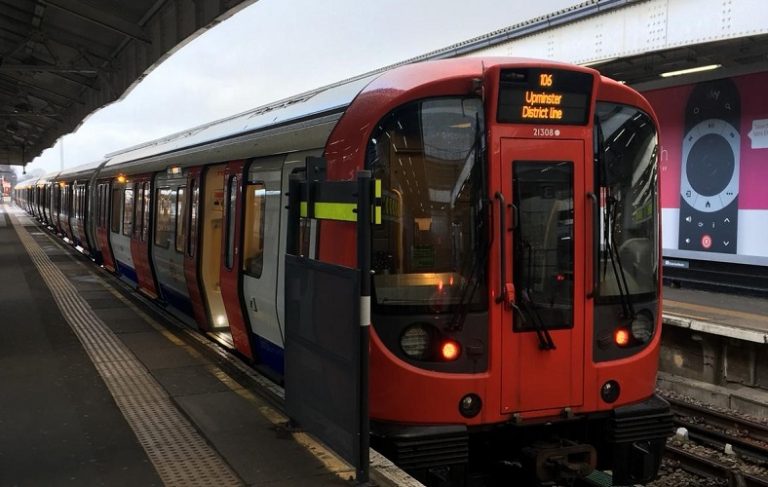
(734, 315)
(93, 391)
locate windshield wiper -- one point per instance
(476, 155)
(609, 241)
(531, 308)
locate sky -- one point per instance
(273, 49)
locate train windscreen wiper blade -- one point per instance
(470, 286)
(530, 308)
(609, 242)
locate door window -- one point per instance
(164, 205)
(253, 246)
(543, 243)
(117, 205)
(193, 215)
(181, 221)
(128, 212)
(231, 206)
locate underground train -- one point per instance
(516, 279)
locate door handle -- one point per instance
(502, 246)
(593, 272)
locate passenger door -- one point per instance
(103, 223)
(543, 333)
(192, 269)
(169, 240)
(229, 271)
(262, 204)
(140, 234)
(121, 227)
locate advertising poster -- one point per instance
(714, 169)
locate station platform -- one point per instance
(728, 315)
(95, 390)
(713, 349)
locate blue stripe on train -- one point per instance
(270, 354)
(127, 272)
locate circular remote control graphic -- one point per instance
(710, 171)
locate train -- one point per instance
(7, 181)
(516, 292)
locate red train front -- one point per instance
(516, 289)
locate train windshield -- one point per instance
(626, 173)
(429, 253)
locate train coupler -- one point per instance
(561, 460)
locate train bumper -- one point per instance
(636, 438)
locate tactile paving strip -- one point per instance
(180, 455)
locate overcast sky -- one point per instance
(276, 48)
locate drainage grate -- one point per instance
(180, 455)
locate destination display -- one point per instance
(545, 96)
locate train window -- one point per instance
(76, 202)
(99, 208)
(253, 245)
(181, 221)
(231, 221)
(430, 251)
(65, 201)
(128, 211)
(82, 202)
(117, 205)
(145, 211)
(104, 204)
(138, 208)
(193, 214)
(164, 205)
(626, 177)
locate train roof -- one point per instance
(326, 100)
(82, 170)
(27, 182)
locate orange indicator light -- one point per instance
(450, 350)
(621, 337)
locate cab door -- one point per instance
(543, 326)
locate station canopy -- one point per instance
(742, 55)
(62, 59)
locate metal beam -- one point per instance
(28, 114)
(99, 17)
(47, 68)
(32, 89)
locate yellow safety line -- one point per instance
(330, 460)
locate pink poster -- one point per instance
(714, 169)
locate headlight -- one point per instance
(415, 341)
(642, 326)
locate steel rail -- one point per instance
(709, 468)
(754, 430)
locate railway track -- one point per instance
(745, 440)
(748, 439)
(704, 466)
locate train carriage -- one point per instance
(516, 283)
